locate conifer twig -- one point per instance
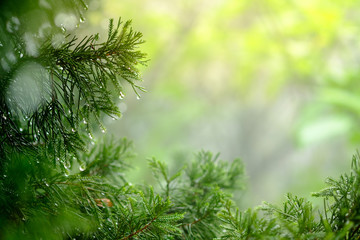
(144, 228)
(196, 220)
(78, 185)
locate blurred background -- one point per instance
(274, 83)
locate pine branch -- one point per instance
(200, 192)
(80, 80)
(196, 220)
(144, 228)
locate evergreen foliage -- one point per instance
(56, 184)
(297, 219)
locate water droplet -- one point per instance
(73, 130)
(138, 97)
(82, 19)
(121, 95)
(66, 166)
(90, 136)
(56, 204)
(37, 162)
(85, 122)
(82, 168)
(46, 184)
(57, 159)
(4, 117)
(103, 194)
(5, 176)
(21, 55)
(103, 130)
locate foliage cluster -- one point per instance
(58, 183)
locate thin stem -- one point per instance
(196, 221)
(78, 185)
(144, 228)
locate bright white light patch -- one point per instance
(29, 88)
(31, 45)
(45, 4)
(11, 57)
(122, 107)
(67, 21)
(12, 25)
(44, 28)
(57, 40)
(4, 64)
